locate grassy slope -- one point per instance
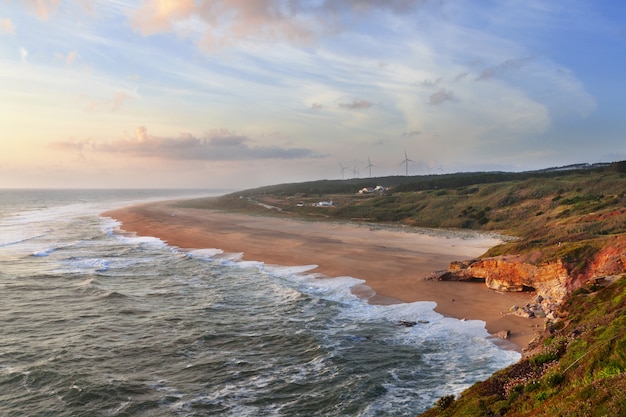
(578, 370)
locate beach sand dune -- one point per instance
(394, 262)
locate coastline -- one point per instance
(393, 263)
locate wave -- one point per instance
(80, 265)
(114, 295)
(139, 240)
(12, 242)
(44, 252)
(88, 283)
(431, 325)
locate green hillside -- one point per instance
(577, 372)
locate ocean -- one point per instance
(98, 323)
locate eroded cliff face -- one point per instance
(519, 273)
(552, 281)
(610, 260)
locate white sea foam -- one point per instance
(430, 324)
(206, 254)
(15, 237)
(44, 252)
(287, 271)
(141, 240)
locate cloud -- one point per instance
(461, 76)
(412, 133)
(218, 145)
(223, 22)
(119, 98)
(74, 147)
(71, 57)
(430, 83)
(6, 26)
(396, 6)
(114, 103)
(42, 8)
(356, 105)
(441, 97)
(23, 54)
(508, 65)
(67, 59)
(317, 106)
(154, 16)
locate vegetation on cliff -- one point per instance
(577, 371)
(574, 216)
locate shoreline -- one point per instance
(393, 263)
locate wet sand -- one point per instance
(393, 262)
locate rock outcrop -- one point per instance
(552, 281)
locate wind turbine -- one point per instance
(355, 171)
(342, 169)
(369, 166)
(406, 162)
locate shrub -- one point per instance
(532, 386)
(554, 379)
(542, 358)
(445, 402)
(608, 372)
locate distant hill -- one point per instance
(419, 182)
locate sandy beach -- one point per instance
(393, 262)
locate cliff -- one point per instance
(579, 369)
(552, 280)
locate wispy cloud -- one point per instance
(441, 97)
(218, 145)
(461, 76)
(71, 57)
(454, 80)
(68, 58)
(115, 103)
(119, 98)
(23, 54)
(356, 105)
(430, 82)
(6, 26)
(505, 66)
(227, 21)
(42, 8)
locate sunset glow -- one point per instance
(237, 93)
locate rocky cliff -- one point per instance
(552, 280)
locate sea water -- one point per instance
(97, 323)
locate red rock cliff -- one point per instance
(551, 280)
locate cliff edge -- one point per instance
(551, 280)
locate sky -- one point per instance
(237, 94)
